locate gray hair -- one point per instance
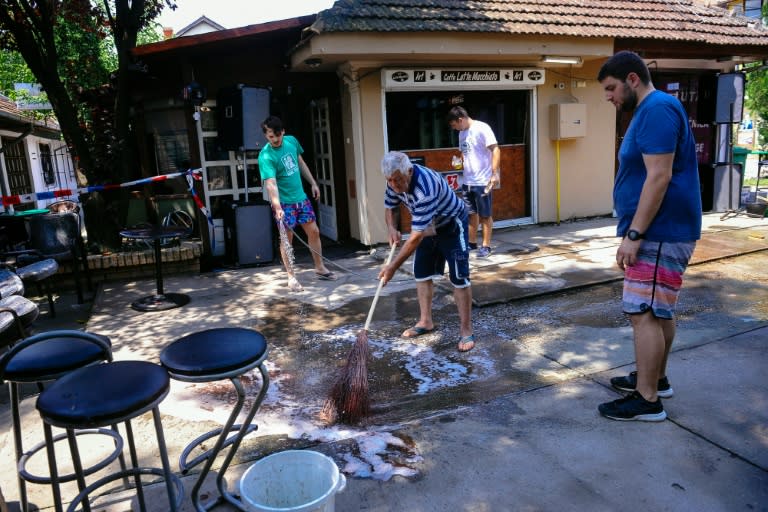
(395, 161)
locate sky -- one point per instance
(238, 13)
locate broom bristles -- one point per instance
(348, 401)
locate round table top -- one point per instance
(155, 232)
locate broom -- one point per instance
(348, 401)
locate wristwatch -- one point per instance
(634, 235)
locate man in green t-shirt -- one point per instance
(281, 167)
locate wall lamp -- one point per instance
(313, 62)
(561, 59)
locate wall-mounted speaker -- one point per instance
(241, 110)
(730, 98)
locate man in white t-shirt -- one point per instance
(482, 157)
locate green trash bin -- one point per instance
(740, 156)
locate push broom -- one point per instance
(348, 401)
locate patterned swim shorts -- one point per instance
(654, 282)
(298, 213)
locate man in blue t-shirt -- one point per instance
(658, 203)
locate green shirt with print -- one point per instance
(283, 164)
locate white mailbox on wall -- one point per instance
(567, 120)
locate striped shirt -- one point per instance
(429, 198)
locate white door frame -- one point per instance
(323, 169)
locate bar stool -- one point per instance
(207, 356)
(39, 273)
(101, 395)
(39, 359)
(16, 314)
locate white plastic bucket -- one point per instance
(292, 480)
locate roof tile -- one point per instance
(676, 20)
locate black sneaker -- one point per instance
(633, 407)
(472, 246)
(629, 383)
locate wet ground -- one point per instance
(523, 345)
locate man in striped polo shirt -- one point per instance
(438, 235)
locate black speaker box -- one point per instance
(726, 197)
(730, 91)
(248, 233)
(241, 110)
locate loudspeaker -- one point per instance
(730, 91)
(725, 197)
(248, 233)
(707, 99)
(241, 110)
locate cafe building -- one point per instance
(367, 76)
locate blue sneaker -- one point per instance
(483, 252)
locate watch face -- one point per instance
(633, 235)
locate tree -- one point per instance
(60, 41)
(757, 102)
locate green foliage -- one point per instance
(80, 52)
(756, 100)
(13, 70)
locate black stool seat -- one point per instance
(55, 356)
(214, 353)
(38, 270)
(25, 309)
(102, 395)
(10, 284)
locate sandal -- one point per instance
(416, 331)
(327, 276)
(466, 340)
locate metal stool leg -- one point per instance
(220, 482)
(222, 441)
(173, 484)
(52, 467)
(16, 420)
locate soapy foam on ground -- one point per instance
(376, 454)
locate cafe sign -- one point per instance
(414, 79)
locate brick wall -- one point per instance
(140, 264)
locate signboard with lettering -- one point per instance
(411, 79)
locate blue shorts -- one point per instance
(298, 213)
(448, 245)
(476, 200)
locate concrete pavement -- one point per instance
(513, 424)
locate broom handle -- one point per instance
(378, 290)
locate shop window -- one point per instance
(417, 120)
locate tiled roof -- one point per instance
(670, 20)
(12, 116)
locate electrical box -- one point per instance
(567, 120)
